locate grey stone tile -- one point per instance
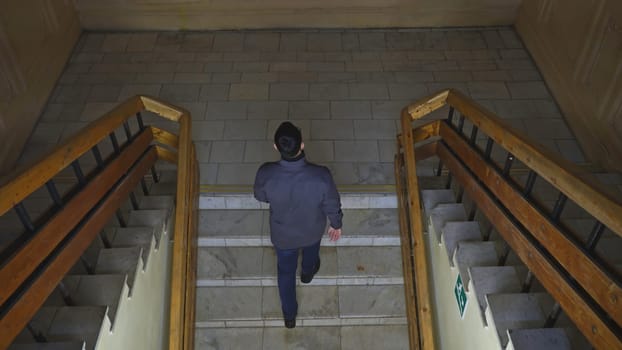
(192, 78)
(293, 42)
(305, 56)
(364, 66)
(488, 90)
(214, 92)
(375, 77)
(302, 338)
(261, 41)
(161, 67)
(328, 255)
(260, 151)
(570, 150)
(242, 56)
(203, 150)
(115, 42)
(413, 77)
(525, 75)
(228, 338)
(313, 301)
(350, 110)
(522, 109)
(197, 42)
(289, 91)
(91, 42)
(547, 108)
(225, 110)
(350, 41)
(297, 77)
(275, 56)
(95, 110)
(516, 64)
(377, 222)
(356, 151)
(368, 91)
(366, 56)
(251, 67)
(482, 54)
(71, 94)
(493, 39)
(153, 78)
(226, 77)
(288, 67)
(320, 151)
(477, 65)
(344, 77)
(229, 262)
(388, 109)
(208, 130)
(370, 261)
(411, 91)
(218, 67)
(173, 56)
(377, 173)
(180, 92)
(230, 223)
(221, 303)
(394, 56)
(372, 40)
(344, 173)
(245, 129)
(227, 41)
(375, 129)
(387, 150)
(326, 66)
(104, 93)
(401, 40)
(248, 91)
(390, 337)
(328, 91)
(371, 300)
(324, 41)
(534, 89)
(461, 86)
(549, 129)
(465, 40)
(46, 133)
(236, 173)
(453, 76)
(510, 39)
(87, 57)
(268, 110)
(227, 152)
(309, 110)
(332, 130)
(262, 77)
(491, 75)
(118, 68)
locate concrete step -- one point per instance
(349, 200)
(538, 339)
(431, 198)
(315, 334)
(127, 237)
(49, 346)
(459, 231)
(226, 304)
(158, 219)
(510, 311)
(67, 324)
(492, 280)
(442, 214)
(473, 254)
(124, 261)
(237, 263)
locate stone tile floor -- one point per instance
(344, 88)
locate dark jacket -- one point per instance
(301, 196)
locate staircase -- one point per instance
(356, 301)
(115, 296)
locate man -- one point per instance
(301, 196)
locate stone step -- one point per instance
(492, 280)
(442, 214)
(251, 303)
(127, 237)
(158, 219)
(67, 324)
(538, 339)
(610, 250)
(473, 254)
(386, 337)
(215, 201)
(431, 198)
(237, 263)
(49, 346)
(255, 223)
(91, 290)
(459, 231)
(124, 261)
(510, 311)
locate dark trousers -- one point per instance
(287, 263)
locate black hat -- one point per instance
(288, 139)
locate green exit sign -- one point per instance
(461, 297)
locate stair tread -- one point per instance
(443, 214)
(455, 232)
(157, 202)
(97, 290)
(516, 311)
(431, 198)
(119, 261)
(470, 254)
(538, 339)
(493, 280)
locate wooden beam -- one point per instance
(407, 257)
(28, 258)
(18, 316)
(164, 137)
(191, 256)
(562, 174)
(166, 155)
(585, 318)
(427, 105)
(424, 305)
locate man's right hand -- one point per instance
(334, 233)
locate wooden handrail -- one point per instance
(20, 186)
(561, 174)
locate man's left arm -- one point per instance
(258, 188)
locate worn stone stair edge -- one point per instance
(318, 281)
(243, 189)
(248, 201)
(348, 241)
(305, 322)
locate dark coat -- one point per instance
(301, 196)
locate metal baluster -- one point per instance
(22, 213)
(38, 336)
(595, 235)
(461, 124)
(98, 157)
(531, 180)
(504, 254)
(134, 201)
(78, 171)
(143, 184)
(154, 174)
(128, 132)
(64, 292)
(115, 143)
(559, 207)
(139, 118)
(553, 316)
(450, 115)
(56, 198)
(439, 170)
(489, 145)
(89, 269)
(448, 184)
(120, 218)
(508, 164)
(460, 195)
(473, 135)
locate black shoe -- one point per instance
(290, 323)
(304, 278)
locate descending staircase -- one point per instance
(356, 301)
(115, 296)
